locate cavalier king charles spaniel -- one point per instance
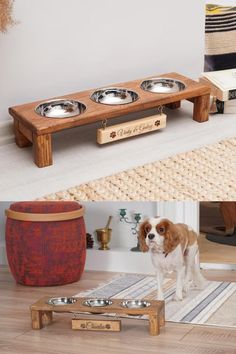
(174, 247)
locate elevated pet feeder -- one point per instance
(34, 123)
(42, 312)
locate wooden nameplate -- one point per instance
(42, 314)
(32, 129)
(129, 129)
(96, 325)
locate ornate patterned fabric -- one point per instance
(46, 253)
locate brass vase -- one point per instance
(104, 237)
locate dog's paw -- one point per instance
(200, 283)
(186, 286)
(178, 297)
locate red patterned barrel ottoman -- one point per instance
(46, 242)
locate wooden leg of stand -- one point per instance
(20, 139)
(42, 149)
(201, 108)
(36, 319)
(154, 325)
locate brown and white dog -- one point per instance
(174, 247)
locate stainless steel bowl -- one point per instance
(60, 108)
(57, 301)
(162, 85)
(114, 96)
(97, 302)
(135, 304)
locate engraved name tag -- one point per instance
(132, 128)
(96, 325)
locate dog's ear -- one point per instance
(143, 231)
(171, 237)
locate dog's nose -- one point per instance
(151, 236)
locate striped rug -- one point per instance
(215, 305)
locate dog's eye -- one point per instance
(161, 230)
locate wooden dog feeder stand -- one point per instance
(42, 312)
(32, 129)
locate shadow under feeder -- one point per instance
(81, 108)
(42, 312)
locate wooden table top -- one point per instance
(96, 112)
(42, 305)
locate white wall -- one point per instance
(63, 46)
(97, 214)
(120, 258)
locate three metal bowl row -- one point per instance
(130, 304)
(65, 108)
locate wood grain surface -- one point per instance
(155, 311)
(96, 112)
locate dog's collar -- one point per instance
(166, 254)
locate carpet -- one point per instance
(215, 305)
(208, 173)
(224, 240)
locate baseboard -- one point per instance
(6, 133)
(218, 266)
(3, 254)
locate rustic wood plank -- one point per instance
(97, 112)
(201, 108)
(78, 306)
(26, 132)
(34, 125)
(20, 139)
(154, 325)
(215, 91)
(155, 311)
(36, 319)
(42, 150)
